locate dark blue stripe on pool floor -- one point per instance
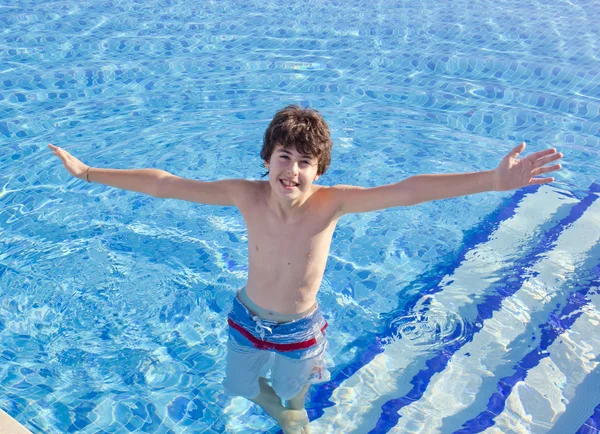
(512, 282)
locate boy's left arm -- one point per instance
(512, 173)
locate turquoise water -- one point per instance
(465, 315)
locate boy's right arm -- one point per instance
(226, 192)
(158, 183)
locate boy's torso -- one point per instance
(287, 258)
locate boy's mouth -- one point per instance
(288, 184)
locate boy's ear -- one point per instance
(266, 164)
(317, 177)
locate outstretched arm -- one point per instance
(157, 183)
(512, 173)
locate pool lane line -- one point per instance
(390, 416)
(478, 237)
(565, 336)
(458, 361)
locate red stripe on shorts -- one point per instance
(266, 345)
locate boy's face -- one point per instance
(290, 173)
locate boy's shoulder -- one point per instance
(334, 191)
(250, 190)
(249, 186)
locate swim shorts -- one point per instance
(293, 352)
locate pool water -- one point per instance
(475, 314)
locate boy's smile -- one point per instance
(288, 184)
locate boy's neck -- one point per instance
(286, 209)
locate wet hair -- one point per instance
(301, 128)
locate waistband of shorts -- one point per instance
(271, 315)
(300, 334)
(263, 344)
(305, 325)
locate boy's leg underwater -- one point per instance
(297, 402)
(291, 420)
(268, 399)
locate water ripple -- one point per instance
(430, 326)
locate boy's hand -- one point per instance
(72, 164)
(513, 173)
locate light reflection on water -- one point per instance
(113, 304)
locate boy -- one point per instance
(276, 322)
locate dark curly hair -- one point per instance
(304, 129)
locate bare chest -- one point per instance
(289, 244)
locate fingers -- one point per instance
(59, 152)
(542, 170)
(545, 153)
(54, 149)
(549, 158)
(535, 181)
(517, 150)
